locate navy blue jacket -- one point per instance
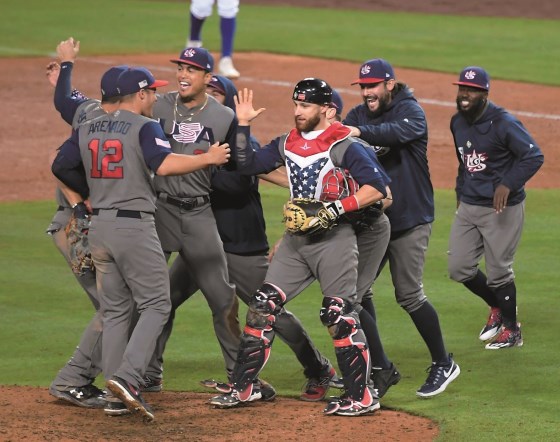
(400, 137)
(236, 202)
(495, 149)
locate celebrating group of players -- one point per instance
(178, 172)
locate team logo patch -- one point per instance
(366, 69)
(189, 53)
(474, 162)
(470, 75)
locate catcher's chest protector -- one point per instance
(309, 163)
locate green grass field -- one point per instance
(508, 395)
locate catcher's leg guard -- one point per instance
(257, 338)
(351, 349)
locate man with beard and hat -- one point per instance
(497, 156)
(391, 120)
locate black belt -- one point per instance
(186, 203)
(121, 213)
(61, 208)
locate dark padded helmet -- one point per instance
(313, 90)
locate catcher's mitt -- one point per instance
(78, 245)
(305, 216)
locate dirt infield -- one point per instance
(30, 130)
(30, 414)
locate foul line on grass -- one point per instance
(287, 84)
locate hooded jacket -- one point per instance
(495, 149)
(400, 137)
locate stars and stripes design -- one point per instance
(304, 179)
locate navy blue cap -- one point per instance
(337, 102)
(133, 79)
(217, 84)
(375, 71)
(198, 57)
(474, 76)
(109, 81)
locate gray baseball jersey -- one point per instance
(119, 151)
(184, 219)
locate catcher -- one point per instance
(319, 243)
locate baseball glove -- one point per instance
(305, 216)
(77, 239)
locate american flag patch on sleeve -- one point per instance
(163, 143)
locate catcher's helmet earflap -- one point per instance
(313, 90)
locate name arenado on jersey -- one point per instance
(120, 127)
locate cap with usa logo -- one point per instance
(474, 76)
(375, 71)
(198, 57)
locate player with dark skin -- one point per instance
(497, 156)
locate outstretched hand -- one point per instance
(244, 107)
(67, 50)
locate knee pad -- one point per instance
(352, 353)
(267, 301)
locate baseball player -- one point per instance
(236, 204)
(192, 121)
(200, 10)
(497, 156)
(373, 232)
(119, 153)
(74, 382)
(391, 119)
(311, 151)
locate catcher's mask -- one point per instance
(313, 90)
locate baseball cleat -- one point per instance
(232, 399)
(131, 397)
(152, 385)
(226, 68)
(315, 389)
(116, 408)
(383, 379)
(493, 325)
(506, 339)
(346, 407)
(268, 393)
(439, 377)
(88, 396)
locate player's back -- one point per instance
(116, 170)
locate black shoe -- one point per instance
(268, 393)
(116, 408)
(383, 379)
(439, 377)
(131, 397)
(152, 385)
(88, 396)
